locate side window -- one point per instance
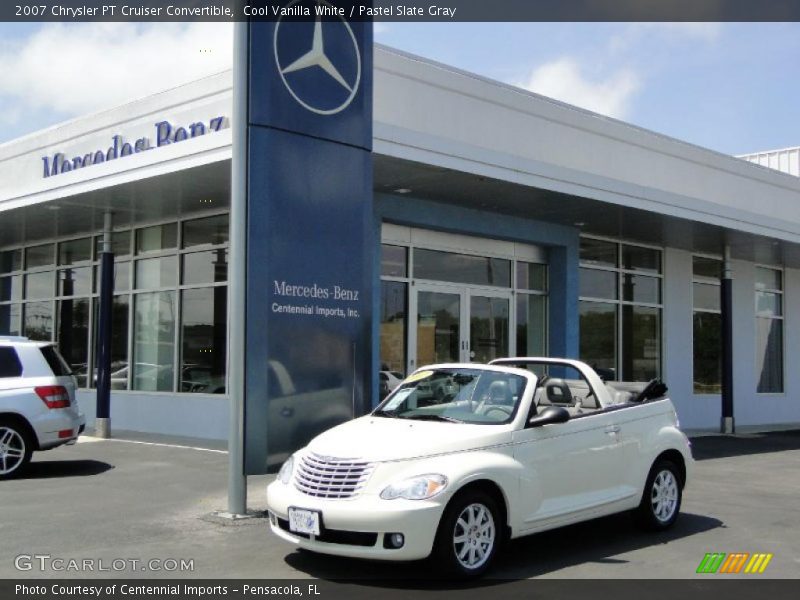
(9, 363)
(54, 360)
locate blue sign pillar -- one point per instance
(308, 342)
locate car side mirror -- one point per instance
(551, 414)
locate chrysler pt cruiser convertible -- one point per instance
(515, 447)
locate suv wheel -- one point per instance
(469, 535)
(15, 449)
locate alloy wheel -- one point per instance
(664, 495)
(474, 536)
(12, 450)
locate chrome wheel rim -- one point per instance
(664, 496)
(474, 536)
(12, 450)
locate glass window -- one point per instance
(11, 288)
(11, 319)
(769, 355)
(75, 251)
(768, 304)
(531, 325)
(119, 342)
(598, 337)
(636, 258)
(55, 361)
(40, 256)
(598, 284)
(708, 268)
(531, 276)
(207, 231)
(461, 268)
(158, 237)
(75, 282)
(39, 285)
(39, 321)
(639, 288)
(598, 253)
(120, 244)
(205, 267)
(769, 330)
(9, 363)
(203, 340)
(394, 261)
(394, 326)
(156, 272)
(122, 277)
(768, 279)
(641, 343)
(10, 260)
(705, 296)
(154, 341)
(707, 351)
(73, 336)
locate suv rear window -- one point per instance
(9, 363)
(57, 364)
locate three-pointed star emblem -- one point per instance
(316, 57)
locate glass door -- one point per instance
(438, 326)
(458, 324)
(489, 326)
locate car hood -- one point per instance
(382, 439)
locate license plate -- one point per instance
(304, 521)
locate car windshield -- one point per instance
(476, 396)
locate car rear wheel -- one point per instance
(661, 500)
(15, 449)
(468, 535)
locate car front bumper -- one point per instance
(357, 527)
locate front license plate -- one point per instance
(304, 521)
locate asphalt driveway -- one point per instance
(141, 502)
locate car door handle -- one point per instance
(612, 429)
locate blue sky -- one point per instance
(731, 87)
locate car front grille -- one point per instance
(328, 477)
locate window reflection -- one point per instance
(73, 336)
(154, 341)
(203, 338)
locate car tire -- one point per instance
(661, 499)
(16, 448)
(469, 536)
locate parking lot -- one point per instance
(143, 501)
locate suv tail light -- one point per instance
(54, 396)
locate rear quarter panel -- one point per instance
(647, 431)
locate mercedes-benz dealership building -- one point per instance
(505, 224)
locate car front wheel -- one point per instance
(661, 501)
(15, 449)
(468, 535)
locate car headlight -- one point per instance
(285, 474)
(420, 487)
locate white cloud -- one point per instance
(75, 69)
(564, 79)
(708, 32)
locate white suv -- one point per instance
(37, 402)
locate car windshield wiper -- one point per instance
(431, 417)
(389, 414)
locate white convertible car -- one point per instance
(515, 447)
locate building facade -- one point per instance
(505, 224)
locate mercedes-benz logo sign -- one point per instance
(320, 65)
